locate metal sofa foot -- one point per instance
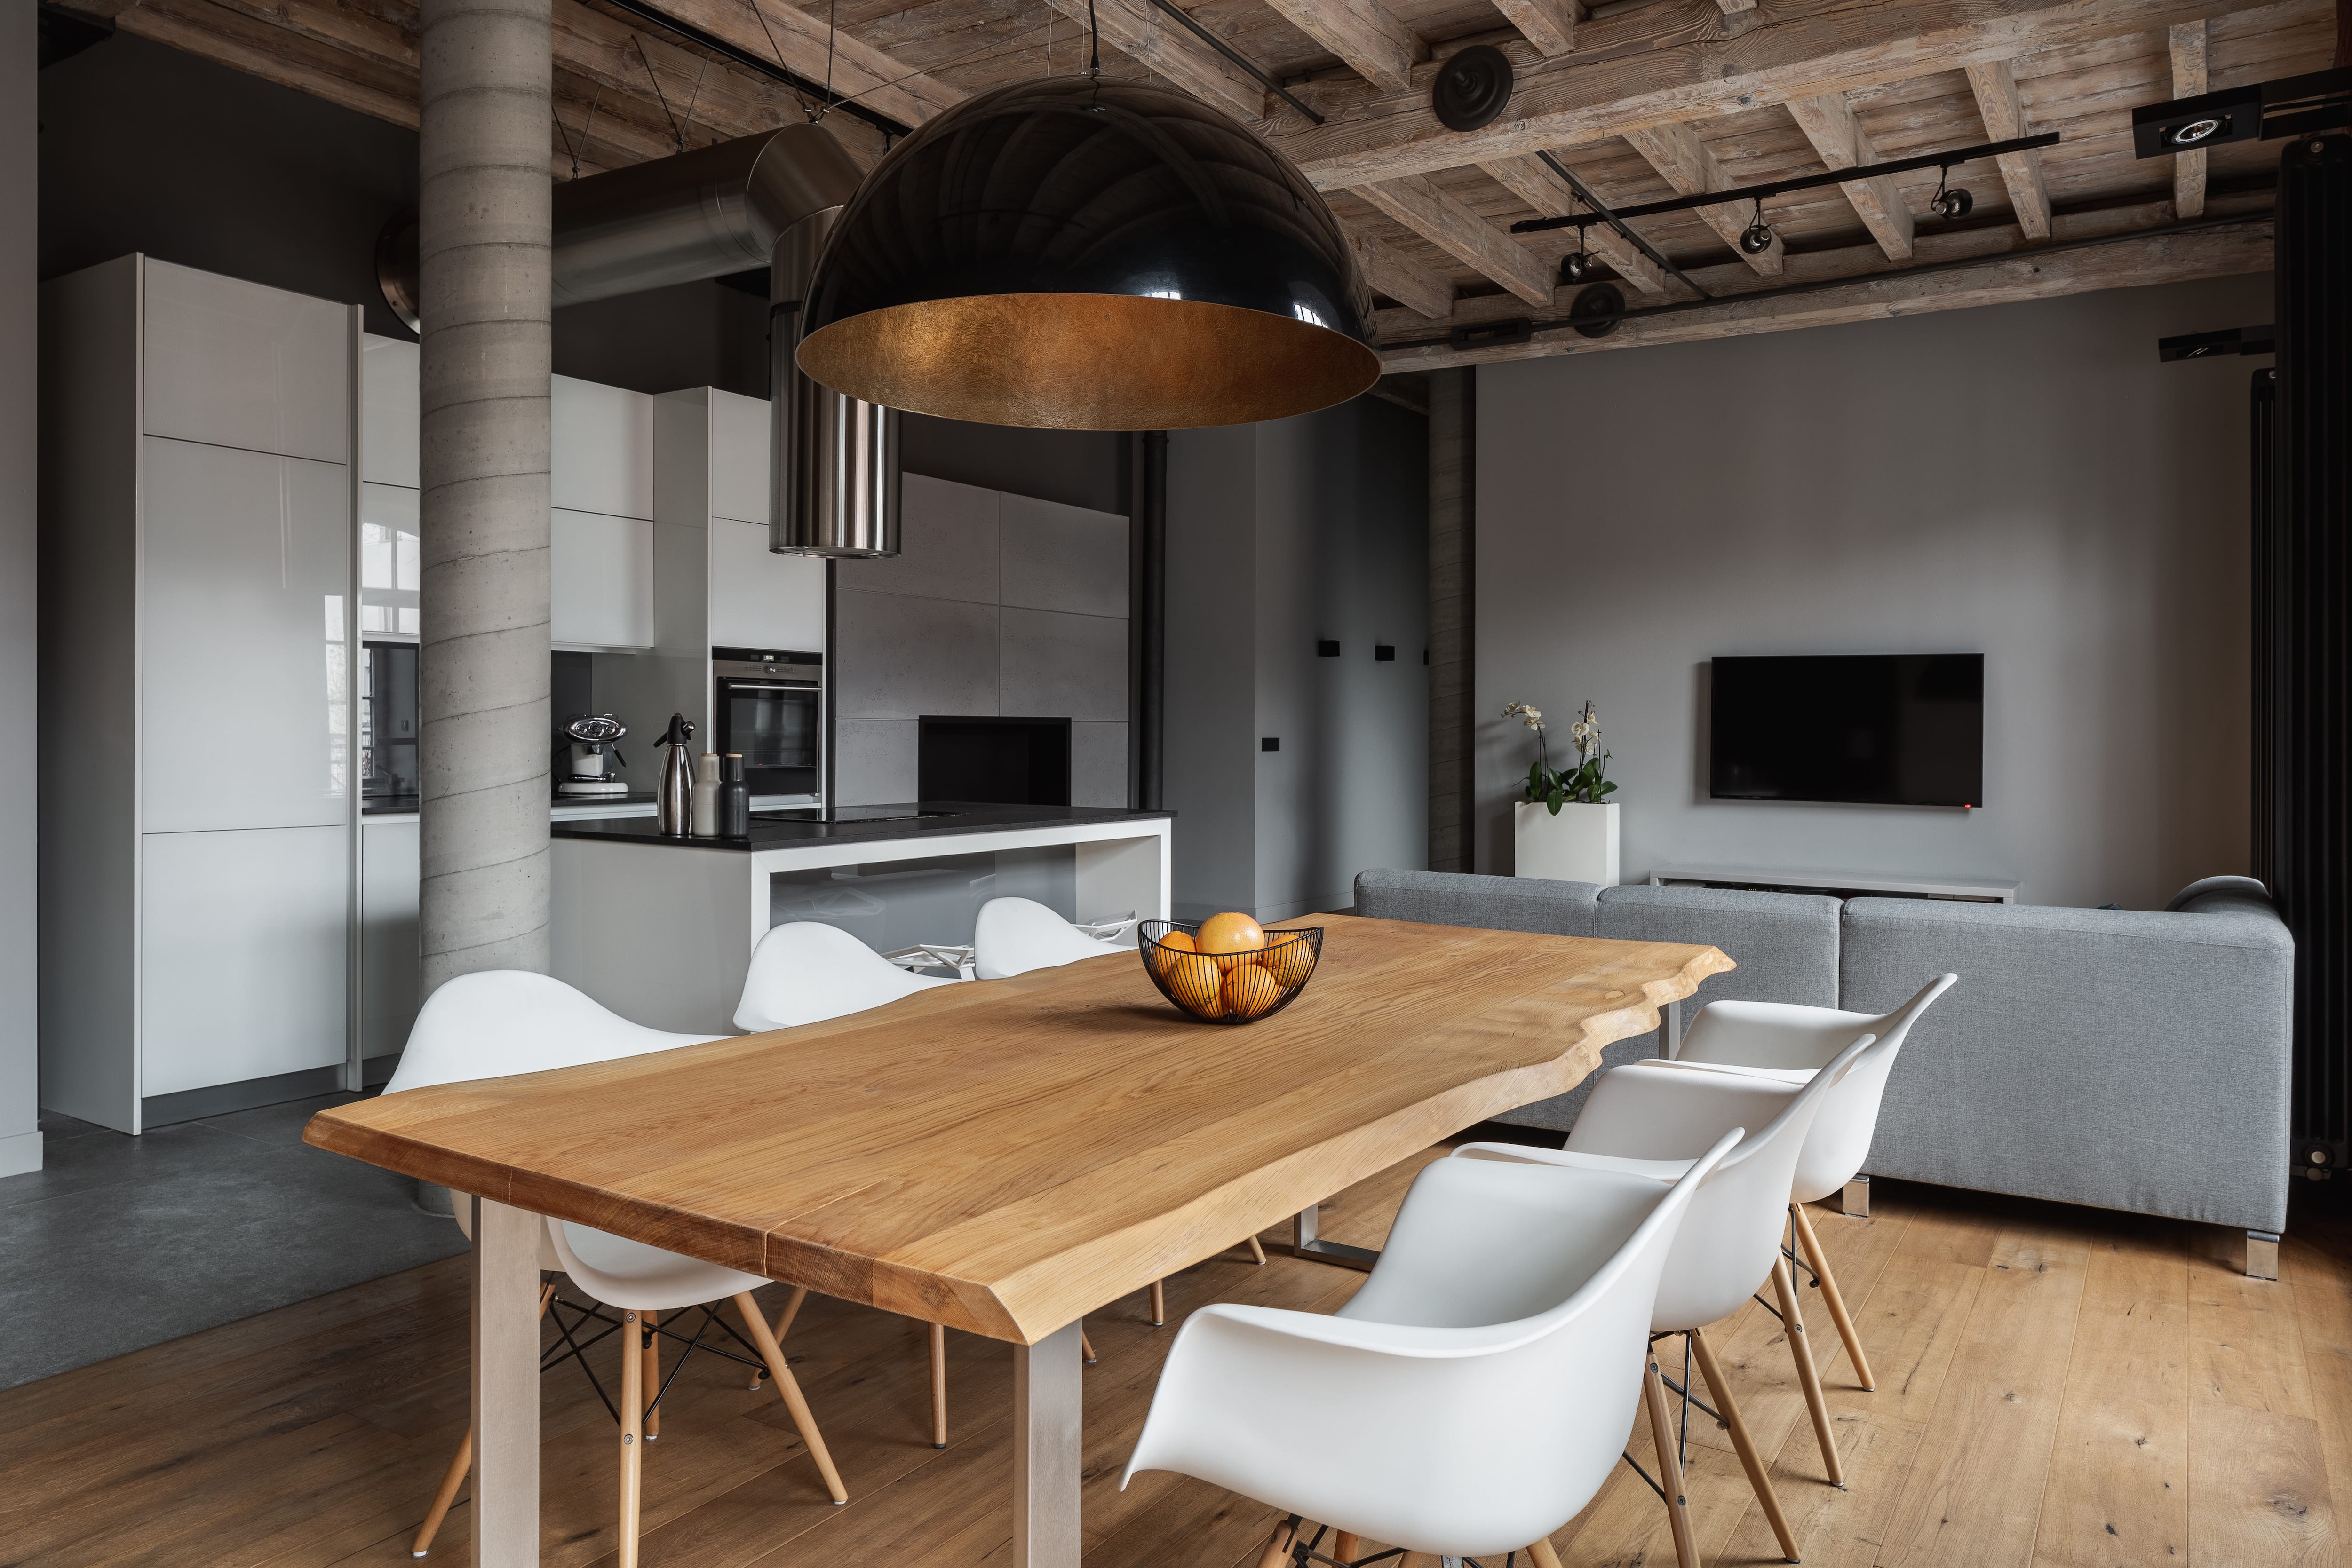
(2261, 1255)
(1854, 1202)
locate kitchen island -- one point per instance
(661, 929)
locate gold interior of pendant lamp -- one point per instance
(1088, 362)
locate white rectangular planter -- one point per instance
(1577, 845)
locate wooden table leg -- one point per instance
(1048, 1450)
(505, 1280)
(633, 1408)
(939, 1386)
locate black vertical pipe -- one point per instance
(2309, 583)
(1146, 523)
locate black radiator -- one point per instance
(2303, 620)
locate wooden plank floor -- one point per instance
(2057, 1386)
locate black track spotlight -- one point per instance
(1949, 202)
(1576, 266)
(1756, 237)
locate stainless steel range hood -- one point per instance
(768, 200)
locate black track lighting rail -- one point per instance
(751, 62)
(1601, 209)
(1801, 183)
(1169, 8)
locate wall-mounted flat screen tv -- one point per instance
(1886, 729)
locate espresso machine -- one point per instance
(596, 761)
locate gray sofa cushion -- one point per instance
(1785, 945)
(2117, 1058)
(1488, 903)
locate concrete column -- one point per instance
(484, 195)
(1453, 727)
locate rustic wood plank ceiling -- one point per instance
(1640, 100)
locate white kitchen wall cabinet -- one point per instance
(197, 835)
(600, 581)
(241, 957)
(739, 456)
(759, 599)
(602, 456)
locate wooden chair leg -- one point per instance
(939, 1386)
(1807, 1376)
(1540, 1553)
(1257, 1250)
(773, 1355)
(1831, 1297)
(1670, 1466)
(784, 1326)
(1086, 1348)
(1344, 1546)
(1277, 1544)
(633, 1410)
(1159, 1304)
(459, 1463)
(1758, 1478)
(653, 1378)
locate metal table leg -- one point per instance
(1303, 1244)
(506, 1385)
(1048, 1392)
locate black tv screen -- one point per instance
(1888, 729)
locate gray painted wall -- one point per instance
(1281, 534)
(996, 603)
(2025, 481)
(20, 1141)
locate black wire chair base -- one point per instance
(1304, 1552)
(573, 1348)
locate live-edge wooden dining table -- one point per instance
(1002, 1157)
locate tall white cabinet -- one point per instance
(197, 794)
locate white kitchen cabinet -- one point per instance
(237, 364)
(601, 581)
(602, 456)
(389, 981)
(739, 458)
(242, 954)
(391, 413)
(242, 640)
(759, 599)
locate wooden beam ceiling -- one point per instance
(1160, 44)
(1445, 222)
(1691, 167)
(1829, 124)
(1995, 84)
(1550, 25)
(1529, 179)
(1364, 33)
(1401, 277)
(2187, 42)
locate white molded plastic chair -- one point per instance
(806, 972)
(1471, 1397)
(499, 1022)
(1650, 1119)
(1790, 1043)
(1015, 935)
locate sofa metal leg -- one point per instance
(2261, 1255)
(1854, 1202)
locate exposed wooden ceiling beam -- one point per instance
(2222, 251)
(1448, 223)
(1691, 167)
(1377, 45)
(1829, 124)
(769, 28)
(1162, 47)
(1548, 25)
(2188, 80)
(1682, 59)
(1402, 278)
(1529, 178)
(1995, 84)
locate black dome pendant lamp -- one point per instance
(1086, 255)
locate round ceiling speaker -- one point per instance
(1472, 87)
(2196, 131)
(1597, 310)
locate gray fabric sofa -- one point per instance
(2122, 1059)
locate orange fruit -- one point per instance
(1164, 950)
(1198, 984)
(1228, 934)
(1250, 990)
(1290, 962)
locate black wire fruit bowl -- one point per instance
(1228, 987)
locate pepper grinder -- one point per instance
(706, 796)
(734, 798)
(674, 794)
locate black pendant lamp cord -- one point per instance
(1093, 31)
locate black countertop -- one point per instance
(784, 829)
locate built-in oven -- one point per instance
(769, 706)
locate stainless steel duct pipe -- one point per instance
(765, 200)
